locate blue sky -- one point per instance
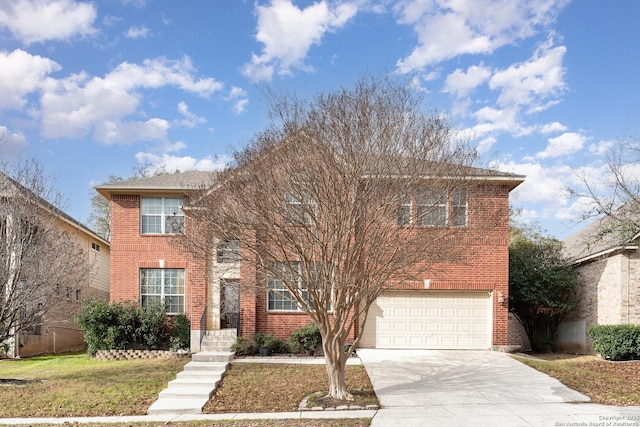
(91, 89)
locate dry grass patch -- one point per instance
(253, 387)
(75, 385)
(609, 383)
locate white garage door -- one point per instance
(429, 320)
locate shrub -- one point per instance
(251, 346)
(181, 332)
(151, 326)
(276, 345)
(616, 342)
(245, 347)
(100, 324)
(306, 338)
(108, 326)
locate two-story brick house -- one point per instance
(463, 308)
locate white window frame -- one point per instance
(277, 288)
(163, 289)
(228, 251)
(300, 211)
(405, 212)
(165, 215)
(459, 194)
(429, 208)
(432, 208)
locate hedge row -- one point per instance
(616, 342)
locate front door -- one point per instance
(230, 306)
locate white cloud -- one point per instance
(190, 120)
(460, 83)
(79, 104)
(288, 32)
(553, 127)
(167, 162)
(531, 82)
(446, 29)
(238, 97)
(43, 20)
(601, 148)
(543, 185)
(567, 143)
(11, 143)
(140, 32)
(115, 131)
(21, 74)
(491, 120)
(485, 144)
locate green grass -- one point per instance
(75, 385)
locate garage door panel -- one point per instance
(433, 320)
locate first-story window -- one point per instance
(280, 297)
(163, 285)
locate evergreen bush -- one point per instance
(306, 338)
(616, 342)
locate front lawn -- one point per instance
(253, 387)
(609, 383)
(75, 385)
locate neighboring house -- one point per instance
(56, 331)
(465, 308)
(609, 292)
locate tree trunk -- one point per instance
(336, 360)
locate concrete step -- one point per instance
(194, 386)
(200, 376)
(202, 367)
(177, 406)
(190, 382)
(216, 346)
(194, 392)
(212, 356)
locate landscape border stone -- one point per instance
(136, 354)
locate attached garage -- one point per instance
(429, 320)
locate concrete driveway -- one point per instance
(479, 388)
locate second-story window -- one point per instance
(161, 215)
(459, 207)
(228, 251)
(434, 208)
(300, 209)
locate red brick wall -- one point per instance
(483, 244)
(483, 265)
(131, 251)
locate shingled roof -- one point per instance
(592, 242)
(176, 182)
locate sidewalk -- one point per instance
(193, 417)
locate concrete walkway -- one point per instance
(191, 417)
(477, 388)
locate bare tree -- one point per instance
(330, 205)
(39, 254)
(614, 199)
